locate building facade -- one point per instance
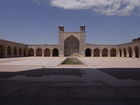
(70, 44)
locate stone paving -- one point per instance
(39, 85)
(111, 62)
(27, 63)
(89, 87)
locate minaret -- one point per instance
(61, 28)
(82, 28)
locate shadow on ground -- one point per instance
(20, 92)
(123, 73)
(43, 72)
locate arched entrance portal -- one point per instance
(71, 46)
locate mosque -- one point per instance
(70, 44)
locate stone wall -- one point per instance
(12, 49)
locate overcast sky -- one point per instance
(36, 21)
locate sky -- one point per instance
(37, 21)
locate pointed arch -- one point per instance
(31, 52)
(113, 52)
(88, 52)
(105, 52)
(55, 52)
(38, 52)
(47, 52)
(71, 45)
(96, 52)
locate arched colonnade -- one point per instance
(113, 52)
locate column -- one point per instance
(100, 52)
(108, 52)
(117, 53)
(43, 52)
(127, 53)
(133, 53)
(122, 53)
(50, 52)
(35, 52)
(91, 53)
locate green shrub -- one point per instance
(72, 61)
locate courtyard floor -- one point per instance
(44, 81)
(26, 63)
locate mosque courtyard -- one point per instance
(45, 81)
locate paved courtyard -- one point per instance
(26, 63)
(43, 81)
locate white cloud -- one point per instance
(106, 7)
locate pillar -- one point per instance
(43, 52)
(127, 53)
(117, 52)
(35, 52)
(133, 53)
(100, 52)
(91, 53)
(51, 53)
(109, 52)
(122, 53)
